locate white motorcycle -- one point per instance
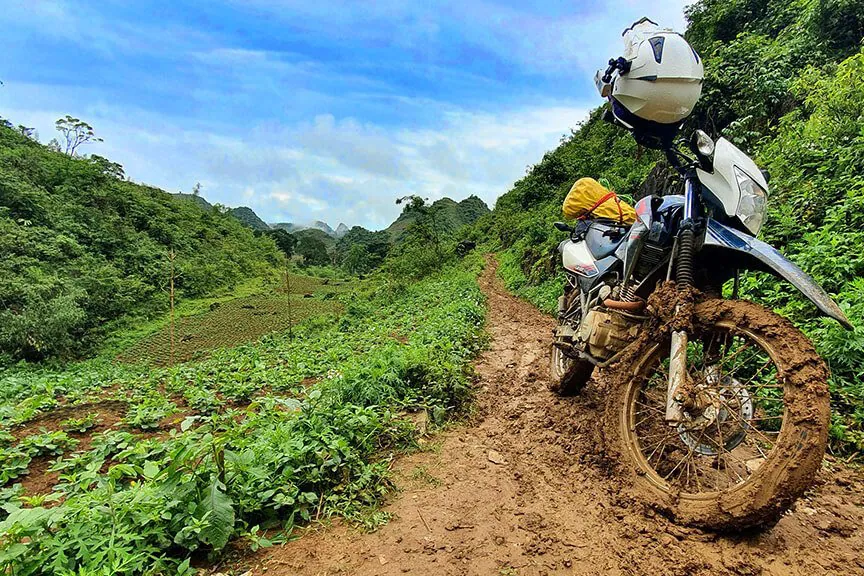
(718, 409)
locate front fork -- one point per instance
(683, 279)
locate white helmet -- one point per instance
(659, 78)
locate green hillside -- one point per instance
(83, 248)
(248, 217)
(326, 239)
(785, 82)
(449, 216)
(200, 200)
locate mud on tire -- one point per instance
(790, 466)
(567, 375)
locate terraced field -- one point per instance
(231, 322)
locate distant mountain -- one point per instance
(324, 227)
(341, 230)
(244, 214)
(317, 225)
(287, 226)
(450, 215)
(248, 217)
(328, 239)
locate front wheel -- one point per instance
(754, 427)
(569, 375)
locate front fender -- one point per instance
(759, 255)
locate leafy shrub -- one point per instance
(278, 461)
(47, 443)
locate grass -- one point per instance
(543, 295)
(254, 308)
(422, 475)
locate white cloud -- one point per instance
(333, 169)
(334, 163)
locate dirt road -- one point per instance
(522, 490)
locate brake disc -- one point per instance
(728, 401)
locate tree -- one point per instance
(108, 167)
(283, 239)
(426, 224)
(376, 246)
(30, 133)
(75, 133)
(196, 190)
(357, 261)
(313, 251)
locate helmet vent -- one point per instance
(657, 46)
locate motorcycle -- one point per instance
(718, 408)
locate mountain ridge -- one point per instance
(451, 214)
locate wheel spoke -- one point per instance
(732, 371)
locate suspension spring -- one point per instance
(684, 267)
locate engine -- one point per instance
(606, 333)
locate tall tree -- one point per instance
(284, 240)
(357, 261)
(427, 222)
(313, 251)
(75, 133)
(108, 167)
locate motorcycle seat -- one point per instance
(603, 239)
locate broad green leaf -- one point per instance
(151, 469)
(221, 516)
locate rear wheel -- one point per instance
(756, 415)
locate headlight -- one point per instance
(751, 204)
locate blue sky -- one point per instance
(315, 110)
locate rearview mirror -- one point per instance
(563, 227)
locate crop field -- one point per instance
(112, 468)
(231, 322)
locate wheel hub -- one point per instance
(718, 413)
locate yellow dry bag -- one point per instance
(590, 199)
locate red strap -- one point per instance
(609, 195)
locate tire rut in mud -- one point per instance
(524, 489)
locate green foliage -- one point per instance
(218, 511)
(13, 464)
(300, 428)
(80, 424)
(313, 251)
(284, 240)
(83, 248)
(249, 218)
(47, 443)
(442, 217)
(360, 251)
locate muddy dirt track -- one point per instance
(522, 490)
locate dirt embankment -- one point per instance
(522, 490)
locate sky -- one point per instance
(306, 110)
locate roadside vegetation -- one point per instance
(84, 248)
(238, 384)
(147, 468)
(785, 82)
